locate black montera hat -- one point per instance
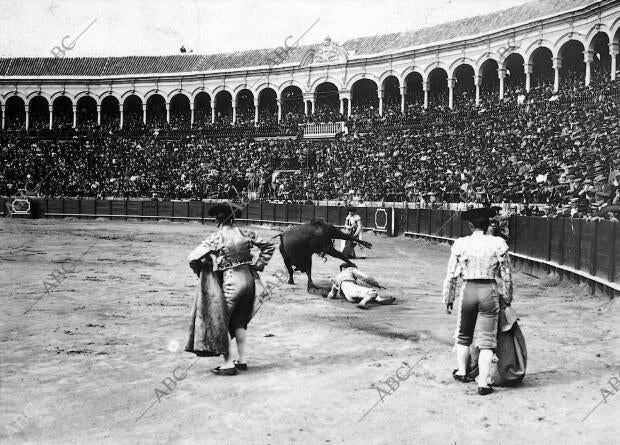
(346, 266)
(477, 214)
(225, 211)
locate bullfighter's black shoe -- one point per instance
(224, 371)
(484, 391)
(461, 378)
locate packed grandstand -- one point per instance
(530, 124)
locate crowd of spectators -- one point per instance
(552, 152)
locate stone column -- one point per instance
(380, 94)
(502, 79)
(342, 105)
(403, 93)
(26, 109)
(426, 86)
(313, 105)
(346, 95)
(477, 83)
(613, 51)
(528, 68)
(309, 103)
(279, 104)
(51, 108)
(168, 113)
(557, 65)
(191, 114)
(255, 111)
(98, 114)
(121, 116)
(144, 113)
(451, 85)
(588, 57)
(234, 110)
(213, 110)
(3, 107)
(74, 115)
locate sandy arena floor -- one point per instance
(86, 362)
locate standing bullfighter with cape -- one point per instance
(230, 290)
(353, 227)
(481, 261)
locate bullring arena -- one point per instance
(112, 166)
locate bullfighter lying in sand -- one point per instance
(357, 287)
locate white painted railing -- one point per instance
(314, 130)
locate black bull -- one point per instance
(299, 243)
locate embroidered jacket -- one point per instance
(478, 256)
(353, 224)
(235, 252)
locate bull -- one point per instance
(299, 243)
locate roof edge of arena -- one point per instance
(351, 59)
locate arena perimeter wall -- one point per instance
(577, 249)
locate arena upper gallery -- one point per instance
(540, 36)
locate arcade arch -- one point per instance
(268, 106)
(573, 66)
(464, 85)
(134, 113)
(437, 92)
(14, 113)
(110, 112)
(203, 110)
(223, 107)
(62, 113)
(86, 109)
(292, 103)
(414, 96)
(326, 98)
(156, 112)
(245, 107)
(180, 112)
(390, 100)
(364, 96)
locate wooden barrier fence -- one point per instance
(373, 218)
(580, 249)
(588, 250)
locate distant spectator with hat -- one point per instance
(478, 260)
(228, 289)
